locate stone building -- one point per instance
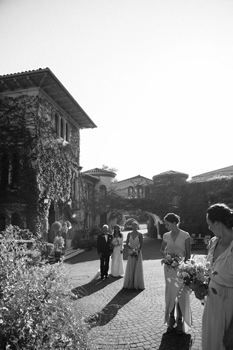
(40, 125)
(134, 187)
(98, 183)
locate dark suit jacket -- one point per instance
(103, 246)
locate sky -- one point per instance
(155, 76)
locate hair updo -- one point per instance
(220, 212)
(172, 218)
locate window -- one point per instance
(57, 124)
(130, 192)
(139, 191)
(10, 170)
(62, 128)
(67, 132)
(15, 220)
(175, 201)
(2, 222)
(103, 192)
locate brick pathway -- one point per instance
(124, 319)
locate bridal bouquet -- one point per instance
(195, 276)
(115, 242)
(172, 261)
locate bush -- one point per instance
(36, 306)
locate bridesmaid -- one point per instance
(177, 301)
(134, 278)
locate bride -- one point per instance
(117, 268)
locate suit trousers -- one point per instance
(104, 265)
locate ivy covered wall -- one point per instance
(45, 164)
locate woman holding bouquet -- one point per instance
(117, 268)
(175, 243)
(134, 278)
(217, 321)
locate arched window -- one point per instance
(139, 191)
(130, 192)
(103, 192)
(15, 220)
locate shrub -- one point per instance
(36, 310)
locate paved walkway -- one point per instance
(128, 319)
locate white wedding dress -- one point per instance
(117, 268)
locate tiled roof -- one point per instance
(44, 79)
(135, 177)
(171, 172)
(97, 171)
(218, 172)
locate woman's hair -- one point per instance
(119, 230)
(222, 213)
(172, 218)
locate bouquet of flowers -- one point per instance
(172, 261)
(133, 252)
(115, 242)
(195, 276)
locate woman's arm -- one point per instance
(163, 247)
(187, 249)
(127, 241)
(140, 240)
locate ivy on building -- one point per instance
(46, 161)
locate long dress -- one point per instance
(134, 278)
(218, 309)
(117, 268)
(174, 293)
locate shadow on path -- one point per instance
(111, 309)
(176, 342)
(93, 286)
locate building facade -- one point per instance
(40, 124)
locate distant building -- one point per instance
(97, 182)
(133, 187)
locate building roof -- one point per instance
(100, 172)
(219, 172)
(47, 81)
(135, 177)
(171, 172)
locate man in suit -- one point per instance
(104, 250)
